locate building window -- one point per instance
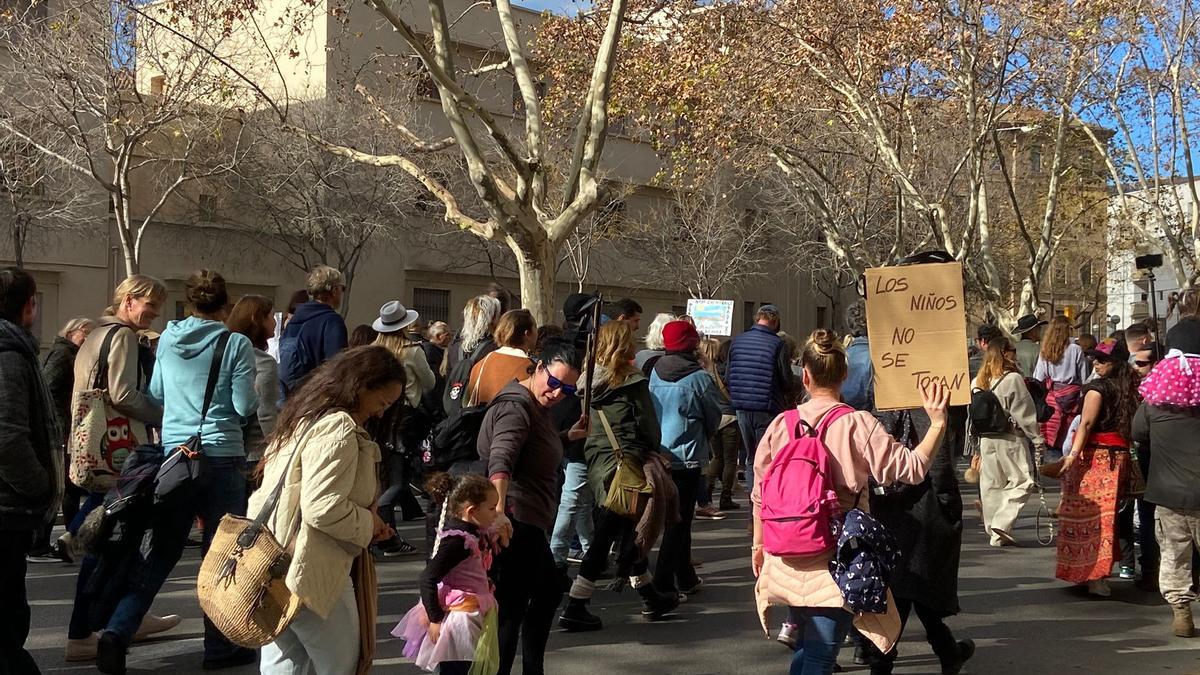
(1035, 160)
(181, 310)
(822, 316)
(433, 304)
(747, 314)
(1086, 273)
(157, 84)
(208, 208)
(1060, 273)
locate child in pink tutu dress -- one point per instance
(453, 627)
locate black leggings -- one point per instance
(528, 595)
(937, 633)
(613, 529)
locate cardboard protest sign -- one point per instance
(917, 327)
(712, 317)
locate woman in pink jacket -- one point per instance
(859, 447)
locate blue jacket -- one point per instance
(759, 374)
(859, 388)
(688, 404)
(315, 333)
(185, 354)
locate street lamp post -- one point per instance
(1149, 263)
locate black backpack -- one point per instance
(458, 380)
(455, 439)
(986, 413)
(1038, 391)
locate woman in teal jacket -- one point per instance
(688, 405)
(185, 354)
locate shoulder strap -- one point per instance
(825, 420)
(246, 539)
(792, 418)
(612, 438)
(100, 381)
(832, 415)
(473, 391)
(214, 372)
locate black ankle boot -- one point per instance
(964, 650)
(110, 654)
(576, 618)
(655, 605)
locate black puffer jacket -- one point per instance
(30, 463)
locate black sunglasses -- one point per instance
(1142, 364)
(555, 383)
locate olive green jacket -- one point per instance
(630, 412)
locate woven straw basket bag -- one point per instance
(242, 585)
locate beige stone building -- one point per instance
(76, 271)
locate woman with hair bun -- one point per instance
(859, 448)
(185, 354)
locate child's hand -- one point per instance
(435, 631)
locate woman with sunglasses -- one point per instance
(620, 397)
(1005, 478)
(523, 450)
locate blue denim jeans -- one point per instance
(822, 631)
(224, 492)
(753, 425)
(574, 513)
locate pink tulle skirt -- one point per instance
(1174, 382)
(460, 634)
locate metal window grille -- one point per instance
(433, 304)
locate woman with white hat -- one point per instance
(398, 431)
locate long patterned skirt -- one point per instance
(1087, 514)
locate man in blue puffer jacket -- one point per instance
(688, 404)
(759, 376)
(316, 331)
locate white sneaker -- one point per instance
(1099, 588)
(83, 649)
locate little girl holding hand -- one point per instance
(453, 627)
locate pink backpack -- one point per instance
(798, 502)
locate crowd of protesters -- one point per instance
(579, 448)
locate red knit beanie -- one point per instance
(680, 336)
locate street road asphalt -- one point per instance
(1022, 620)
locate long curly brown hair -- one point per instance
(1125, 383)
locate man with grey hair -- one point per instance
(759, 378)
(858, 390)
(316, 331)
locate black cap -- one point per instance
(578, 305)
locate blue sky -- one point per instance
(555, 6)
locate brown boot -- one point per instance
(1183, 620)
